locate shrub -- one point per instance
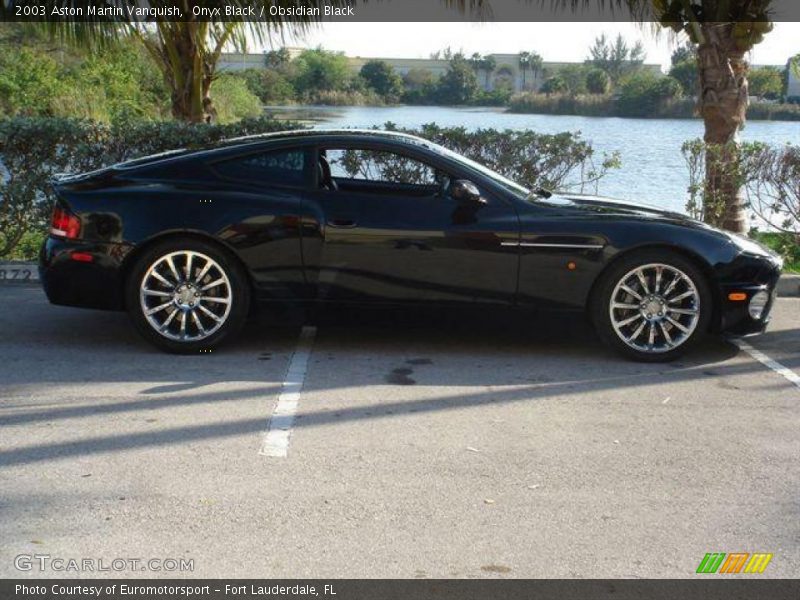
(28, 246)
(233, 100)
(707, 203)
(495, 97)
(562, 104)
(33, 150)
(685, 71)
(641, 94)
(28, 82)
(459, 84)
(381, 77)
(769, 175)
(120, 81)
(269, 85)
(766, 111)
(774, 189)
(644, 94)
(424, 96)
(785, 244)
(416, 79)
(320, 71)
(345, 98)
(598, 82)
(554, 85)
(574, 77)
(605, 106)
(766, 82)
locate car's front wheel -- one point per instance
(186, 295)
(652, 306)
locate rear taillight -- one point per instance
(65, 224)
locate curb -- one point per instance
(14, 272)
(789, 285)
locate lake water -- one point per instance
(653, 169)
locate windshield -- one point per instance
(509, 185)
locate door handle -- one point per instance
(342, 223)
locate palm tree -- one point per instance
(489, 64)
(475, 61)
(524, 63)
(723, 32)
(276, 59)
(480, 63)
(536, 62)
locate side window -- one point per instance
(379, 166)
(281, 167)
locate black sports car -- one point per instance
(186, 241)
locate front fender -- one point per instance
(564, 277)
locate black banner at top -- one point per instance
(99, 11)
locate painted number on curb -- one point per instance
(16, 274)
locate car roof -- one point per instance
(371, 134)
(232, 145)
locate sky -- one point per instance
(555, 41)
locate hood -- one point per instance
(611, 206)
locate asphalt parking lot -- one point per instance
(424, 445)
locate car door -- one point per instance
(380, 225)
(258, 202)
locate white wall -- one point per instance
(794, 84)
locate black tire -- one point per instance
(600, 307)
(236, 290)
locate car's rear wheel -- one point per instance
(652, 306)
(186, 295)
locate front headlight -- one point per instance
(758, 303)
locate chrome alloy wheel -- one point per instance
(655, 308)
(185, 296)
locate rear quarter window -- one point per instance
(278, 167)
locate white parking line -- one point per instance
(768, 362)
(279, 429)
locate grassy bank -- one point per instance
(587, 105)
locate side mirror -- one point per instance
(463, 190)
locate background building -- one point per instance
(507, 73)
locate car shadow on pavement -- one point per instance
(555, 353)
(467, 335)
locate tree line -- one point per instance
(612, 68)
